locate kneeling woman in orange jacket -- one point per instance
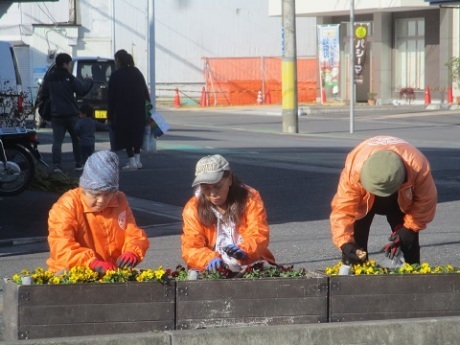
(93, 225)
(224, 223)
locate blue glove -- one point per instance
(234, 252)
(215, 264)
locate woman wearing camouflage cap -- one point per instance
(224, 223)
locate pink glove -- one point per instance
(127, 259)
(102, 266)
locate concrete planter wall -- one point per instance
(380, 297)
(46, 311)
(246, 302)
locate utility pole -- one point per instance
(289, 68)
(352, 66)
(151, 45)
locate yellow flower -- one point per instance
(371, 267)
(55, 281)
(159, 273)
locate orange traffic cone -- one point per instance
(259, 97)
(20, 103)
(427, 95)
(323, 96)
(450, 96)
(268, 98)
(204, 98)
(177, 99)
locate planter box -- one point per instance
(379, 297)
(247, 302)
(46, 311)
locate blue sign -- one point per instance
(442, 2)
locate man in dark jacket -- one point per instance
(61, 86)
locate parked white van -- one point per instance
(9, 72)
(11, 97)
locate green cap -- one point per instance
(382, 173)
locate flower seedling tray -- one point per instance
(46, 311)
(251, 302)
(393, 296)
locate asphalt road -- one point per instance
(296, 174)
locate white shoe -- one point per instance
(137, 159)
(129, 166)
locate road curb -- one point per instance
(22, 241)
(424, 331)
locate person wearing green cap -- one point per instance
(387, 176)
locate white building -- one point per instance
(185, 31)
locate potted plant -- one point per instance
(371, 98)
(453, 66)
(407, 93)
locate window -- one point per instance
(410, 53)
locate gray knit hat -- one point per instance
(382, 173)
(100, 173)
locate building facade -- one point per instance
(409, 45)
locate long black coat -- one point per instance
(127, 95)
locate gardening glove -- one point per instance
(400, 237)
(349, 255)
(127, 259)
(215, 264)
(102, 266)
(234, 252)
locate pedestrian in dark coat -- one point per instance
(60, 86)
(127, 95)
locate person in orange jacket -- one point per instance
(387, 176)
(93, 225)
(225, 222)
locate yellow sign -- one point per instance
(100, 114)
(361, 32)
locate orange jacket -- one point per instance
(77, 235)
(198, 241)
(417, 196)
